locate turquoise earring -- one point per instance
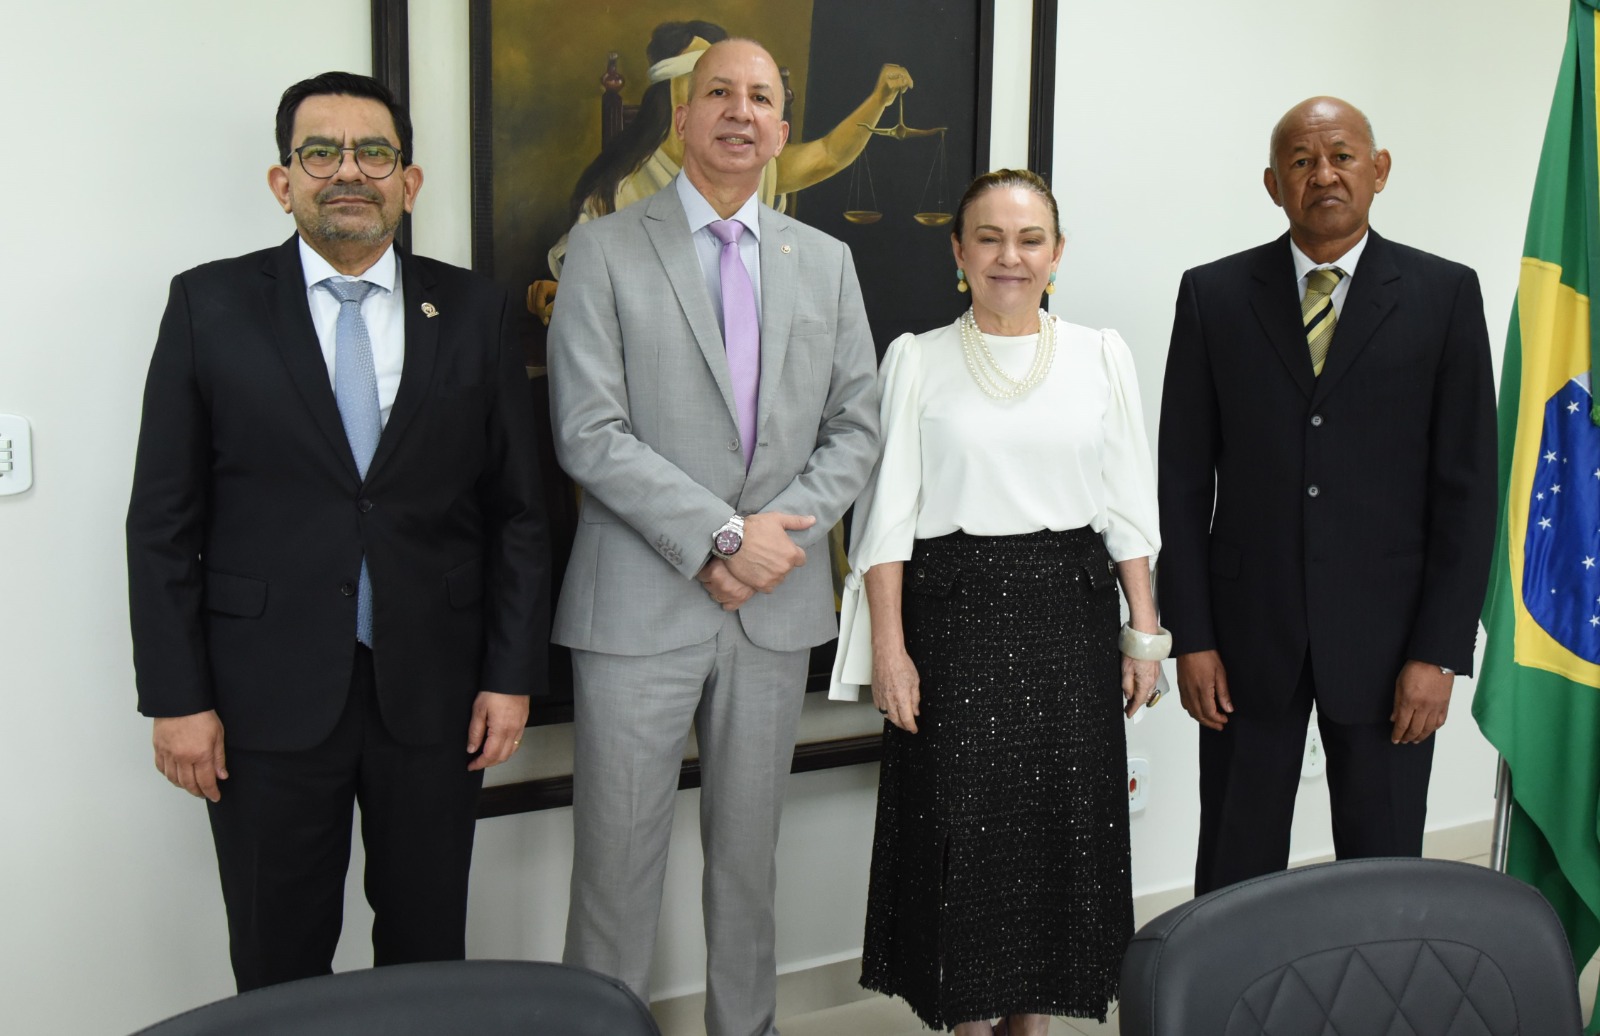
(961, 280)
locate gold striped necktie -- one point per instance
(1316, 312)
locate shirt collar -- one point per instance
(701, 213)
(1347, 262)
(317, 269)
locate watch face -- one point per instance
(727, 541)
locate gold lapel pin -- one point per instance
(428, 310)
(785, 249)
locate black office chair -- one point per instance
(480, 997)
(1422, 947)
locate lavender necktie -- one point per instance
(355, 390)
(741, 332)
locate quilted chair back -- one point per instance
(476, 997)
(1389, 947)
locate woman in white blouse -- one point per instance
(1014, 493)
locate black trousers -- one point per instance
(1250, 772)
(282, 834)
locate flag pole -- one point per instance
(1502, 816)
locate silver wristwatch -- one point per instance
(726, 541)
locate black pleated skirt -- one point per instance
(1000, 881)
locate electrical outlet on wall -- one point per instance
(1138, 784)
(1316, 760)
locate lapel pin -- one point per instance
(428, 310)
(785, 249)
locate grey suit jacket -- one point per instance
(643, 414)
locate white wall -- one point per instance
(110, 916)
(138, 141)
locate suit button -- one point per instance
(364, 506)
(1313, 491)
(733, 444)
(1316, 420)
(348, 589)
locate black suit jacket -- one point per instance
(1351, 514)
(248, 519)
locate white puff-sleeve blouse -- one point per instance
(1069, 453)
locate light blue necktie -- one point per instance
(355, 389)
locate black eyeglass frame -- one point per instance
(299, 152)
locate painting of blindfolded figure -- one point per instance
(578, 123)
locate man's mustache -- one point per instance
(349, 190)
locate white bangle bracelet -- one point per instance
(1144, 647)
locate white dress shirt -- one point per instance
(709, 247)
(383, 311)
(1347, 262)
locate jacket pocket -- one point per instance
(1101, 576)
(593, 512)
(931, 577)
(228, 594)
(464, 584)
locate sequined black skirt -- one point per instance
(1000, 880)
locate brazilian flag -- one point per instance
(1538, 697)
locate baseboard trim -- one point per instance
(819, 984)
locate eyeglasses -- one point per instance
(323, 160)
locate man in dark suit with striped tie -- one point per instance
(1327, 482)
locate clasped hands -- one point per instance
(762, 562)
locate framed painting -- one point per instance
(889, 111)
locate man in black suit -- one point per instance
(1327, 483)
(337, 553)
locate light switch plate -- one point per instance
(16, 455)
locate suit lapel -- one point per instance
(295, 338)
(1277, 306)
(668, 229)
(1374, 290)
(421, 349)
(778, 279)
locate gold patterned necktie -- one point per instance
(1316, 312)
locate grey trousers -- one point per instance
(633, 716)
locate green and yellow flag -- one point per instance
(1538, 698)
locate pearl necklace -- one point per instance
(986, 371)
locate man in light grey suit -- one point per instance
(713, 392)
